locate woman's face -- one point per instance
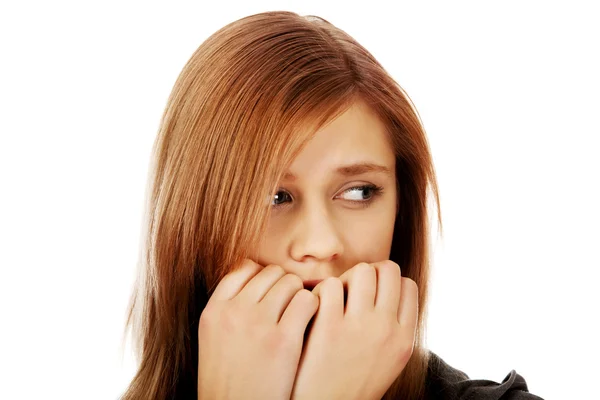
(325, 219)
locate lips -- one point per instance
(310, 284)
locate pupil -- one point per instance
(366, 191)
(279, 196)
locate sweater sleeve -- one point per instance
(513, 387)
(447, 383)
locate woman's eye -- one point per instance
(279, 198)
(362, 195)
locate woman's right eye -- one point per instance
(279, 198)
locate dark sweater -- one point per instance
(447, 383)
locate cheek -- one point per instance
(371, 241)
(272, 246)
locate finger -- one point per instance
(331, 298)
(280, 295)
(259, 285)
(235, 281)
(409, 305)
(388, 287)
(298, 313)
(361, 281)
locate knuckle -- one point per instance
(363, 267)
(410, 284)
(360, 269)
(332, 283)
(250, 322)
(231, 319)
(278, 341)
(286, 334)
(220, 318)
(275, 269)
(306, 296)
(247, 263)
(389, 333)
(206, 318)
(391, 266)
(294, 281)
(228, 323)
(384, 333)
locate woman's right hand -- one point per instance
(251, 332)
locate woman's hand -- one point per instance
(251, 332)
(357, 353)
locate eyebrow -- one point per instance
(351, 170)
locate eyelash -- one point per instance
(375, 192)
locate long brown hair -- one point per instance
(243, 106)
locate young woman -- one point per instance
(286, 251)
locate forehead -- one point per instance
(358, 135)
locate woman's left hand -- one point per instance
(357, 353)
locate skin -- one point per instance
(317, 231)
(255, 334)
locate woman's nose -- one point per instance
(315, 235)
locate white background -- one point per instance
(508, 94)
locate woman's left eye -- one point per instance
(369, 191)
